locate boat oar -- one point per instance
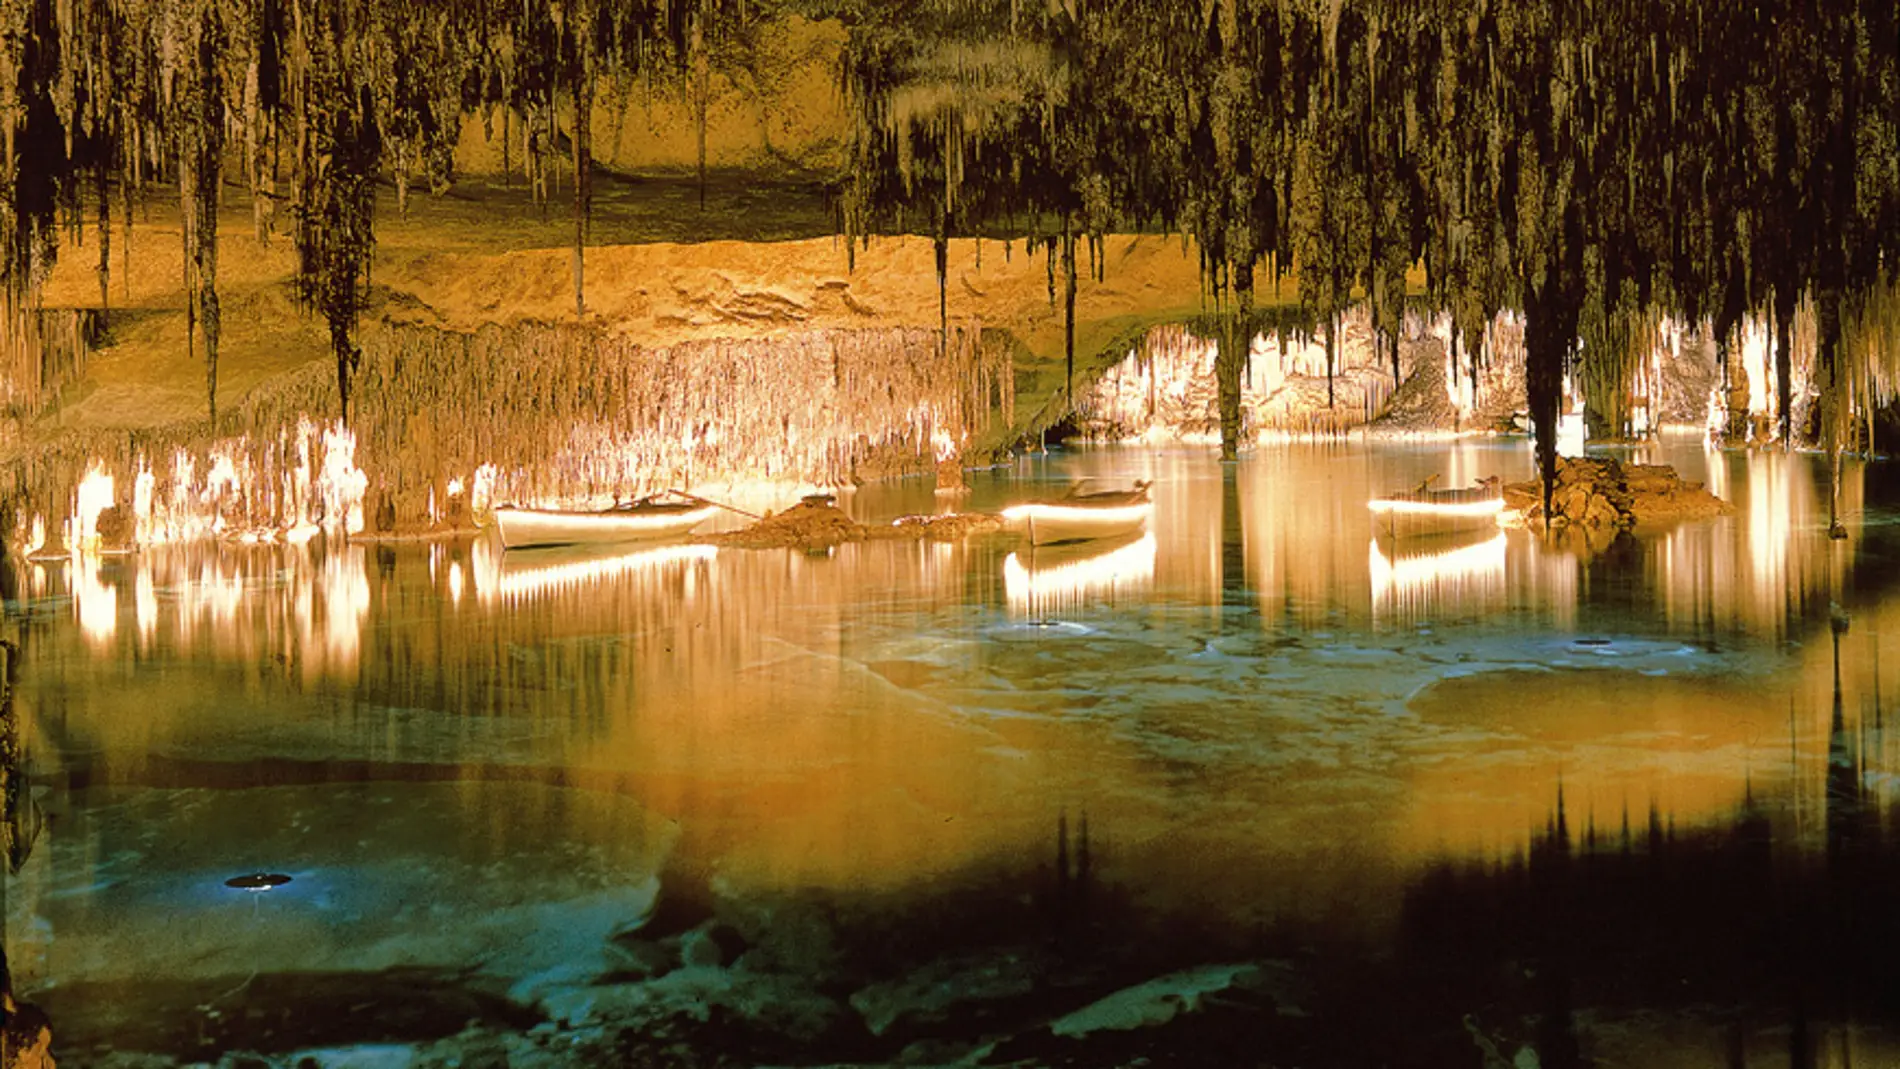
(716, 504)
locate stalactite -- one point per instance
(940, 247)
(583, 148)
(1331, 357)
(1229, 372)
(1236, 345)
(1049, 265)
(200, 124)
(1342, 139)
(1784, 363)
(702, 91)
(1550, 332)
(128, 198)
(102, 202)
(342, 152)
(1068, 316)
(1835, 414)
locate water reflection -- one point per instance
(1422, 577)
(516, 575)
(1264, 711)
(1048, 580)
(1764, 564)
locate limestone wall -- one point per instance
(445, 424)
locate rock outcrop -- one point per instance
(1601, 494)
(815, 523)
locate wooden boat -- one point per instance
(647, 520)
(1078, 516)
(1424, 511)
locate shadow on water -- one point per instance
(1764, 938)
(1762, 943)
(1769, 937)
(25, 1030)
(1590, 946)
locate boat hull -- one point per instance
(1409, 517)
(1050, 523)
(545, 527)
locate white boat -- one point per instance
(1413, 513)
(646, 520)
(1106, 514)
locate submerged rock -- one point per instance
(817, 524)
(1155, 1002)
(1659, 495)
(947, 528)
(26, 1034)
(929, 993)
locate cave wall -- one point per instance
(774, 105)
(446, 424)
(1164, 389)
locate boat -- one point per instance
(1078, 516)
(650, 519)
(1423, 511)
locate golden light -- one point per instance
(514, 575)
(1044, 581)
(1417, 576)
(95, 602)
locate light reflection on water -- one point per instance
(1043, 580)
(1254, 702)
(1417, 577)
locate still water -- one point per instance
(482, 770)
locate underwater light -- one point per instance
(257, 881)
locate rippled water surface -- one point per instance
(489, 767)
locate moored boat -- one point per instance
(647, 520)
(1423, 511)
(1078, 516)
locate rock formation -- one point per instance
(816, 523)
(1601, 494)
